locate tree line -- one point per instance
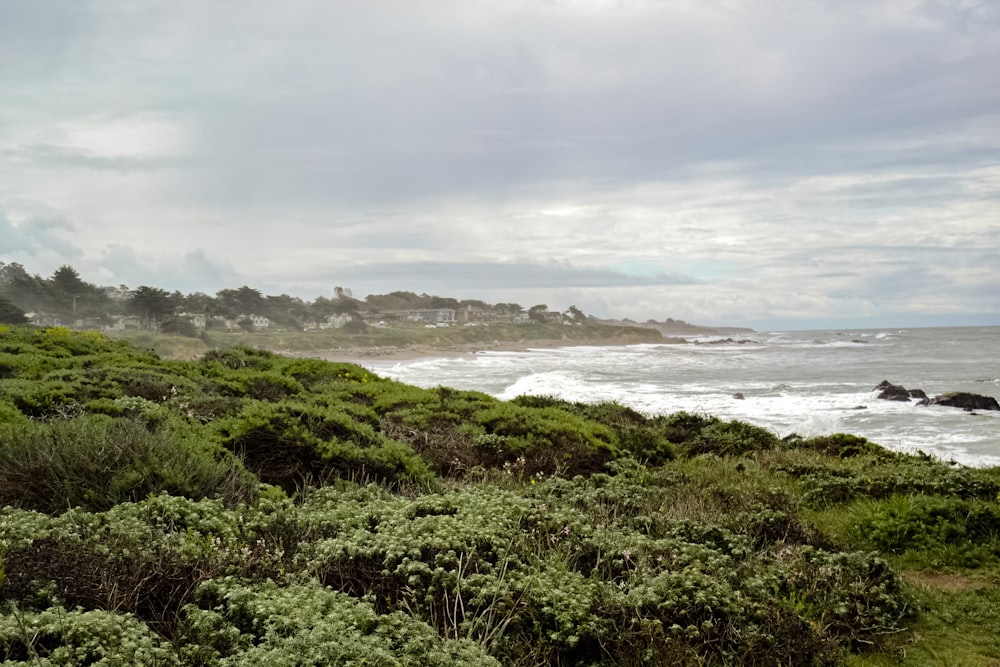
(67, 296)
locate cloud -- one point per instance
(191, 272)
(727, 159)
(465, 278)
(34, 235)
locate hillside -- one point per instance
(251, 508)
(396, 341)
(375, 325)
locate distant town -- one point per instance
(65, 299)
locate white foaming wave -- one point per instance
(562, 384)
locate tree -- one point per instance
(535, 312)
(66, 281)
(576, 315)
(355, 326)
(322, 308)
(286, 310)
(10, 271)
(444, 302)
(27, 292)
(242, 301)
(11, 314)
(199, 302)
(509, 308)
(152, 304)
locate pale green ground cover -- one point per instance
(376, 341)
(255, 509)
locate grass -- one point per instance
(958, 624)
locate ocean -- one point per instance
(804, 382)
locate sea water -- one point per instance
(804, 382)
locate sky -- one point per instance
(776, 164)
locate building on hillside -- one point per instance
(470, 314)
(44, 319)
(122, 322)
(199, 320)
(429, 315)
(335, 321)
(259, 321)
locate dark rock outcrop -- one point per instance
(896, 392)
(892, 392)
(964, 400)
(726, 341)
(956, 399)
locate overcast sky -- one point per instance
(767, 163)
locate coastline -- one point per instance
(366, 355)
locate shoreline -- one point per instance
(366, 355)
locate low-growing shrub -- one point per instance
(237, 623)
(732, 438)
(96, 462)
(550, 440)
(967, 531)
(59, 636)
(235, 358)
(853, 595)
(880, 477)
(841, 445)
(294, 444)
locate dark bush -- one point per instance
(294, 444)
(733, 438)
(96, 462)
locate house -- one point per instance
(259, 321)
(471, 314)
(430, 315)
(123, 322)
(43, 320)
(199, 320)
(335, 321)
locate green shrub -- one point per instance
(235, 358)
(841, 445)
(681, 427)
(733, 438)
(96, 462)
(853, 595)
(261, 385)
(876, 476)
(531, 401)
(59, 636)
(549, 439)
(10, 414)
(967, 532)
(294, 444)
(245, 624)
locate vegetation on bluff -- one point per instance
(248, 508)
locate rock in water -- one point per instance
(892, 392)
(964, 400)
